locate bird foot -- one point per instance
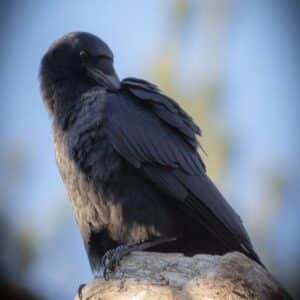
(112, 257)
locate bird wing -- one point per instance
(155, 135)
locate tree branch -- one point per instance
(149, 275)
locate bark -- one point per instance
(148, 275)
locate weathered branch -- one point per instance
(148, 275)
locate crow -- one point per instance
(128, 155)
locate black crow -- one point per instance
(128, 156)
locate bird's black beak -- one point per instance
(110, 81)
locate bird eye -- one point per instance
(83, 54)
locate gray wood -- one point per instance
(149, 275)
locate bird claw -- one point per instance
(112, 258)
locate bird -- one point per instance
(129, 157)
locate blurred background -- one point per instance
(233, 65)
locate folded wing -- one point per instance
(155, 135)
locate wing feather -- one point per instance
(157, 136)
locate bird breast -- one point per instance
(85, 159)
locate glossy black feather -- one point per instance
(173, 149)
(137, 176)
(129, 158)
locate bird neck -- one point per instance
(68, 94)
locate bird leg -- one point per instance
(112, 257)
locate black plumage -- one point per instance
(129, 158)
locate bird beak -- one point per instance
(111, 81)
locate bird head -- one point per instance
(77, 59)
